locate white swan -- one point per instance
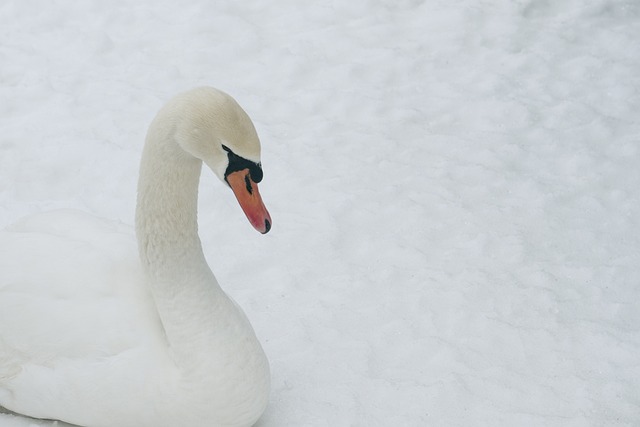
(94, 335)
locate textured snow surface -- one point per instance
(454, 188)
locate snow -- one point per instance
(454, 189)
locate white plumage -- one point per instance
(97, 329)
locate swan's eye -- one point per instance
(237, 163)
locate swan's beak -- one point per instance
(248, 196)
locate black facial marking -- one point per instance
(247, 182)
(237, 163)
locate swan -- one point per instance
(101, 328)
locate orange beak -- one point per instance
(246, 191)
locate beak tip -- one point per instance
(267, 226)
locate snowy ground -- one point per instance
(454, 188)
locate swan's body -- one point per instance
(98, 331)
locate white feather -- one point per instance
(92, 336)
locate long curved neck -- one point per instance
(166, 212)
(184, 289)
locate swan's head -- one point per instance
(215, 129)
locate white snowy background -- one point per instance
(455, 189)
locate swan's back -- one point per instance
(72, 295)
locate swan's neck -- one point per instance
(187, 296)
(166, 213)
